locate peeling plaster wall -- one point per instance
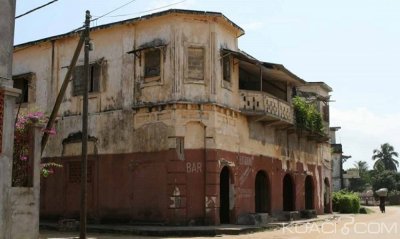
(127, 125)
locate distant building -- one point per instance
(185, 128)
(340, 178)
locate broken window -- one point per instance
(195, 63)
(24, 83)
(226, 65)
(152, 63)
(94, 79)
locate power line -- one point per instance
(150, 10)
(30, 11)
(113, 10)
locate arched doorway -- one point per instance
(327, 196)
(288, 194)
(309, 193)
(262, 195)
(224, 181)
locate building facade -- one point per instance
(184, 128)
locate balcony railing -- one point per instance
(266, 106)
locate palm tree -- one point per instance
(385, 158)
(362, 166)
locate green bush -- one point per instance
(345, 202)
(355, 203)
(363, 210)
(307, 116)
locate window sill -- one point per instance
(90, 95)
(227, 85)
(195, 81)
(151, 81)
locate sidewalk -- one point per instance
(187, 231)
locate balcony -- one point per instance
(265, 107)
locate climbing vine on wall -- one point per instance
(307, 116)
(22, 173)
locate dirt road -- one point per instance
(376, 226)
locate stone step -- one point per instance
(308, 214)
(287, 215)
(255, 219)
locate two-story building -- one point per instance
(184, 128)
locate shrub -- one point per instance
(363, 210)
(345, 202)
(307, 116)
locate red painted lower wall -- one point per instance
(160, 188)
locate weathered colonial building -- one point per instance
(184, 128)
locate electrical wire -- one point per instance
(150, 10)
(97, 18)
(35, 9)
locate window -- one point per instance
(226, 67)
(152, 63)
(180, 147)
(94, 79)
(195, 65)
(325, 113)
(25, 83)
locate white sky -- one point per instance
(353, 46)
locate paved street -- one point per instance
(384, 226)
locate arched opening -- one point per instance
(262, 195)
(309, 192)
(327, 196)
(288, 194)
(224, 181)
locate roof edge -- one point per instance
(133, 20)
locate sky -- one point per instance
(353, 46)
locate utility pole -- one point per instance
(8, 96)
(7, 22)
(86, 75)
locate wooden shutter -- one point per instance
(95, 78)
(196, 63)
(78, 81)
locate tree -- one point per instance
(384, 179)
(362, 167)
(360, 184)
(385, 158)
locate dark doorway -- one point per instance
(327, 196)
(224, 196)
(309, 193)
(288, 194)
(261, 192)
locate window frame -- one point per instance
(91, 83)
(30, 90)
(188, 78)
(152, 78)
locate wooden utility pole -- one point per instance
(61, 94)
(86, 75)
